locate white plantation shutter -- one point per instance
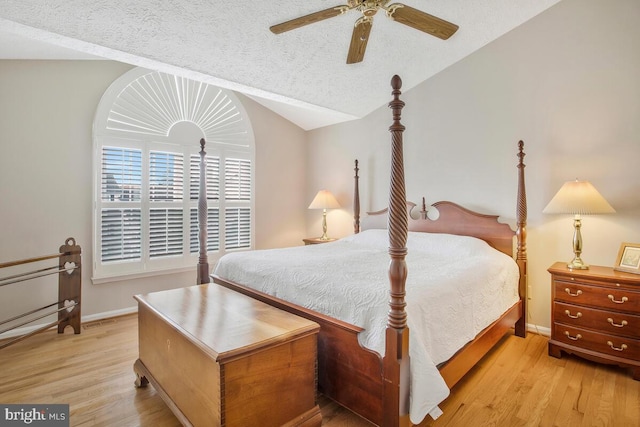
(166, 184)
(237, 189)
(237, 178)
(237, 227)
(166, 176)
(146, 135)
(120, 186)
(121, 234)
(121, 174)
(165, 232)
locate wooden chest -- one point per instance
(220, 358)
(595, 314)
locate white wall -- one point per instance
(46, 174)
(565, 82)
(280, 178)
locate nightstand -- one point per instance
(595, 314)
(317, 240)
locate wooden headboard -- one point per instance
(452, 219)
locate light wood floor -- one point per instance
(517, 384)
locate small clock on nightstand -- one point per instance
(317, 240)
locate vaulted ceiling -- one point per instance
(300, 74)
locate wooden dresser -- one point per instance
(595, 314)
(220, 358)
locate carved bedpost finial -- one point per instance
(396, 84)
(396, 104)
(203, 261)
(356, 201)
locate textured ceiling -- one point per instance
(301, 74)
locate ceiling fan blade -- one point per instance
(359, 39)
(308, 19)
(421, 21)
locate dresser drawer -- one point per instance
(609, 322)
(601, 297)
(612, 345)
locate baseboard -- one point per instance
(540, 330)
(85, 319)
(107, 314)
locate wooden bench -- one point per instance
(220, 358)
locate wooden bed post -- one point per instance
(396, 358)
(203, 261)
(521, 238)
(356, 201)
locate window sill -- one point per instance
(99, 280)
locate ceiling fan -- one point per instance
(398, 12)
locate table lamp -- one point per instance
(324, 200)
(578, 198)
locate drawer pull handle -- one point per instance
(617, 325)
(576, 338)
(622, 301)
(577, 294)
(621, 348)
(577, 316)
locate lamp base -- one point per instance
(577, 264)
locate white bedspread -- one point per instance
(456, 286)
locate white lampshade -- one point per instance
(578, 197)
(324, 200)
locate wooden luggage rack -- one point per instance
(69, 271)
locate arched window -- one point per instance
(147, 133)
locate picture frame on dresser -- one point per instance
(628, 259)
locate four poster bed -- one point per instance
(365, 365)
